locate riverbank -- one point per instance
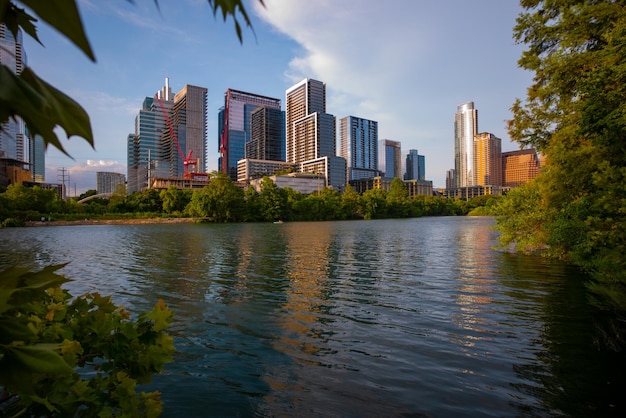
(88, 221)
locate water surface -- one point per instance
(417, 317)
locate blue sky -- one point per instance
(406, 64)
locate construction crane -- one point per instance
(188, 161)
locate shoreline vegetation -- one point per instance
(119, 221)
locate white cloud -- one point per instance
(407, 64)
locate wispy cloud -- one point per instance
(406, 64)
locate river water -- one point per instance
(416, 317)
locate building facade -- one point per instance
(189, 121)
(12, 136)
(358, 144)
(234, 124)
(465, 129)
(267, 135)
(169, 137)
(487, 160)
(390, 158)
(249, 169)
(311, 133)
(415, 166)
(519, 167)
(145, 157)
(107, 181)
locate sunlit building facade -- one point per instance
(519, 167)
(311, 133)
(487, 160)
(465, 129)
(358, 144)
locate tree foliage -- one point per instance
(66, 356)
(575, 114)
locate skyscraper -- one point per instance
(234, 126)
(16, 142)
(311, 133)
(389, 158)
(145, 156)
(487, 160)
(267, 135)
(168, 130)
(189, 120)
(465, 129)
(415, 166)
(358, 144)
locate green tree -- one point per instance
(351, 204)
(252, 205)
(220, 201)
(175, 200)
(574, 114)
(397, 199)
(272, 202)
(375, 204)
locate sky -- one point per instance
(406, 64)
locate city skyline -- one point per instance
(401, 74)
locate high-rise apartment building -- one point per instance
(465, 129)
(234, 124)
(267, 135)
(390, 158)
(487, 160)
(169, 130)
(415, 166)
(16, 143)
(358, 144)
(12, 132)
(107, 182)
(311, 133)
(519, 167)
(189, 121)
(36, 157)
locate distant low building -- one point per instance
(472, 191)
(305, 183)
(413, 187)
(249, 169)
(106, 182)
(519, 167)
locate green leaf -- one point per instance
(12, 330)
(63, 16)
(14, 18)
(42, 107)
(20, 365)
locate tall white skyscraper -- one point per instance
(465, 129)
(358, 144)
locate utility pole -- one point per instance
(63, 175)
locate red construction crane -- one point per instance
(187, 161)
